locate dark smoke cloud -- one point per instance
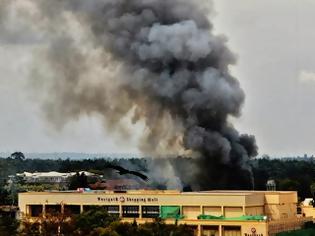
(156, 62)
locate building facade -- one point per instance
(307, 208)
(209, 213)
(51, 177)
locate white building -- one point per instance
(49, 177)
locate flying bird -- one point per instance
(123, 171)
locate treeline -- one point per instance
(293, 175)
(297, 175)
(15, 164)
(11, 166)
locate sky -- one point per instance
(274, 42)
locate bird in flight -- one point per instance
(123, 171)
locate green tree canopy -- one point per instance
(94, 218)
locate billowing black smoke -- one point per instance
(159, 63)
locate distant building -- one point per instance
(307, 208)
(51, 177)
(218, 213)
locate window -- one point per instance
(89, 207)
(194, 228)
(72, 209)
(53, 209)
(131, 211)
(36, 210)
(113, 210)
(231, 230)
(150, 211)
(210, 230)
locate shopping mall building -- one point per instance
(210, 213)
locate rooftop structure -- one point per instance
(117, 184)
(209, 213)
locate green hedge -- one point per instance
(302, 232)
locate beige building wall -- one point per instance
(191, 212)
(308, 211)
(214, 211)
(233, 211)
(283, 211)
(210, 201)
(255, 210)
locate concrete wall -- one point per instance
(255, 210)
(308, 211)
(191, 212)
(281, 211)
(214, 211)
(233, 211)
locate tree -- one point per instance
(52, 223)
(18, 156)
(8, 226)
(97, 222)
(30, 228)
(94, 218)
(78, 181)
(156, 228)
(4, 196)
(312, 189)
(104, 232)
(288, 184)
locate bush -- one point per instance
(8, 226)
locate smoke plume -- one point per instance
(152, 61)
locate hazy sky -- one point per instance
(274, 41)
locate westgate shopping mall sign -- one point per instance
(123, 199)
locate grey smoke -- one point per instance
(151, 61)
